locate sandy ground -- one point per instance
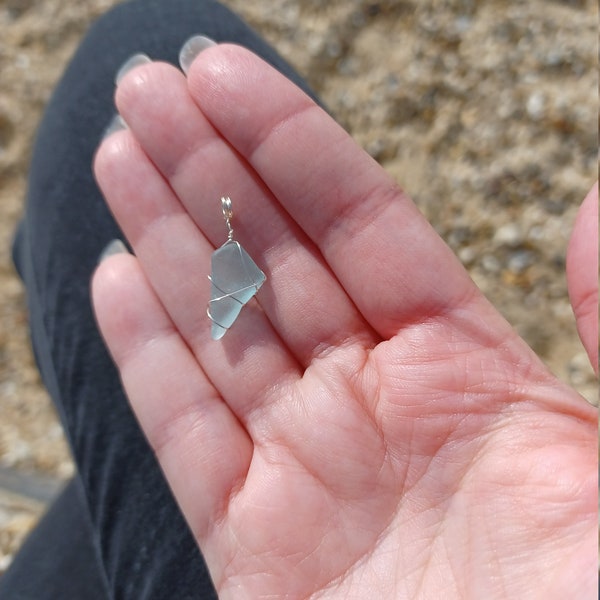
(485, 112)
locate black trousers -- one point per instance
(116, 531)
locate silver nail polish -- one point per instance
(131, 63)
(191, 49)
(117, 123)
(113, 247)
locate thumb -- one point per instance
(582, 274)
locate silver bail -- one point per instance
(228, 214)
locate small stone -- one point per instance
(536, 106)
(467, 255)
(509, 235)
(520, 260)
(490, 264)
(462, 24)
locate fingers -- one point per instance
(582, 274)
(175, 257)
(304, 303)
(201, 446)
(386, 256)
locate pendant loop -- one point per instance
(228, 214)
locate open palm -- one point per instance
(370, 427)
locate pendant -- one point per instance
(235, 278)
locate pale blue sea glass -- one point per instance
(235, 279)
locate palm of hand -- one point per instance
(370, 486)
(375, 447)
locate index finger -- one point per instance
(388, 258)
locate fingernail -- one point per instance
(131, 63)
(113, 247)
(117, 123)
(191, 49)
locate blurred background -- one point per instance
(486, 113)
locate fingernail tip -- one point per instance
(113, 247)
(191, 48)
(117, 123)
(133, 61)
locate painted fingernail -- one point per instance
(117, 123)
(113, 247)
(131, 63)
(191, 49)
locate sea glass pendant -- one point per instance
(234, 278)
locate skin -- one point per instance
(582, 274)
(370, 427)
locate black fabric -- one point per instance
(41, 570)
(133, 541)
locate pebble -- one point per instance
(490, 263)
(536, 106)
(520, 261)
(510, 235)
(467, 255)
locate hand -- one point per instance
(370, 427)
